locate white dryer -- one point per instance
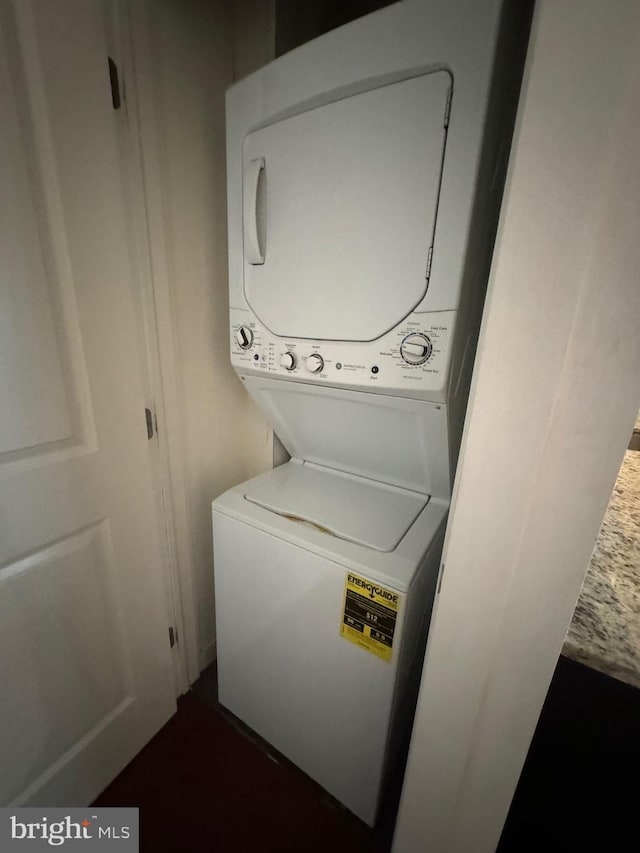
(362, 203)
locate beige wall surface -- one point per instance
(254, 35)
(224, 439)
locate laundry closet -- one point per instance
(364, 181)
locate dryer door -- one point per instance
(339, 209)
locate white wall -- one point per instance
(221, 437)
(553, 402)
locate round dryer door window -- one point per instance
(339, 209)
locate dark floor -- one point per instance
(579, 788)
(203, 785)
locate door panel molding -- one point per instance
(53, 256)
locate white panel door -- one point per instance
(85, 673)
(339, 211)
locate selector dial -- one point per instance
(415, 348)
(315, 362)
(244, 337)
(288, 361)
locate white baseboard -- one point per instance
(207, 655)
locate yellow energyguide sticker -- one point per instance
(369, 615)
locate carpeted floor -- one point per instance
(204, 786)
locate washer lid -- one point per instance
(349, 507)
(339, 209)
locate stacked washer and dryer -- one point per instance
(364, 185)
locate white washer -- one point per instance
(326, 701)
(302, 659)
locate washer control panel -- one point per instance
(416, 348)
(244, 337)
(411, 360)
(314, 363)
(288, 360)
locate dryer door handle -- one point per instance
(253, 252)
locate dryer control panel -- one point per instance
(412, 360)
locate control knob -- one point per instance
(415, 348)
(315, 362)
(244, 337)
(288, 360)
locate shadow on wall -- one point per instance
(300, 21)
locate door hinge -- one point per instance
(148, 414)
(173, 636)
(114, 79)
(429, 257)
(447, 109)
